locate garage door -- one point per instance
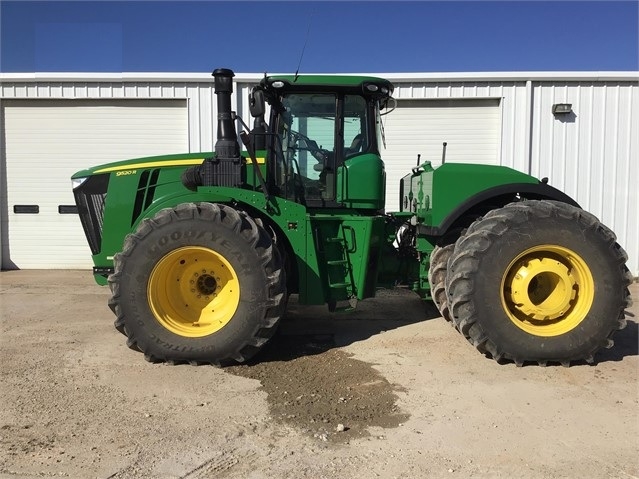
(471, 129)
(49, 140)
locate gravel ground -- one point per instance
(388, 391)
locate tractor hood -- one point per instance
(127, 167)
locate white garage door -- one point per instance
(471, 129)
(49, 140)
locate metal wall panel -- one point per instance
(513, 100)
(46, 141)
(199, 95)
(593, 156)
(471, 128)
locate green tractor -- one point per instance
(201, 251)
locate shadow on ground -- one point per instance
(626, 344)
(309, 330)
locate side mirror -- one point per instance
(256, 103)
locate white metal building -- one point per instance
(52, 125)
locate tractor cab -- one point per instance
(323, 149)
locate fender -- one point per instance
(503, 194)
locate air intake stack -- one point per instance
(226, 147)
(227, 167)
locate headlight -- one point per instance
(76, 182)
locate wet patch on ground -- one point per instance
(322, 390)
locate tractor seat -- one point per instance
(356, 145)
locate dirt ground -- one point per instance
(390, 391)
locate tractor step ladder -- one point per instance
(340, 282)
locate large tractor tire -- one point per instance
(198, 283)
(538, 281)
(437, 278)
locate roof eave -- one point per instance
(40, 77)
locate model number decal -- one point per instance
(125, 172)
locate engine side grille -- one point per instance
(146, 191)
(90, 198)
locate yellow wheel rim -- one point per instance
(547, 290)
(193, 291)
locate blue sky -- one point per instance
(362, 36)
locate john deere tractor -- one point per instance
(201, 251)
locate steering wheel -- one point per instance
(320, 154)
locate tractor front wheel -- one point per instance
(198, 283)
(538, 281)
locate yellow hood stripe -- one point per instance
(151, 164)
(165, 163)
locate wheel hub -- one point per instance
(547, 290)
(193, 291)
(543, 289)
(205, 283)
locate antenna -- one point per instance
(308, 30)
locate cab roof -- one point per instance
(349, 83)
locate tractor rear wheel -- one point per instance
(198, 283)
(437, 278)
(538, 281)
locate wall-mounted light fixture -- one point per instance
(562, 109)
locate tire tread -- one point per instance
(486, 231)
(240, 223)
